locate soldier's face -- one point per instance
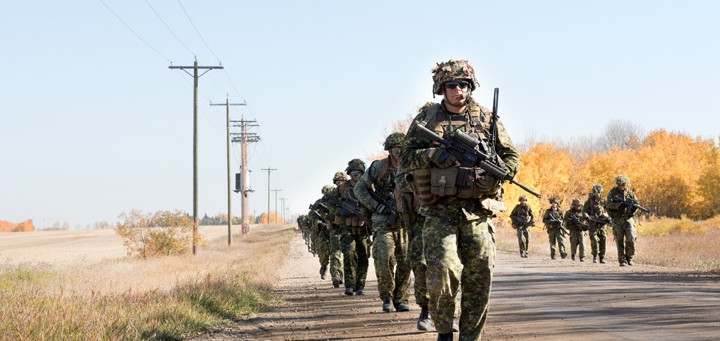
(554, 206)
(355, 175)
(338, 183)
(395, 152)
(523, 203)
(457, 92)
(621, 187)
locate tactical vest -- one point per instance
(463, 182)
(346, 192)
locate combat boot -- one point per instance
(602, 260)
(445, 337)
(402, 306)
(630, 261)
(582, 259)
(323, 271)
(572, 257)
(349, 291)
(387, 306)
(336, 283)
(594, 259)
(359, 292)
(622, 263)
(424, 322)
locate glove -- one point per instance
(381, 208)
(441, 157)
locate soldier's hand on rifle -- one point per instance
(441, 157)
(381, 208)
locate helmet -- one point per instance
(522, 197)
(394, 140)
(554, 200)
(450, 71)
(597, 188)
(622, 180)
(355, 165)
(339, 176)
(576, 202)
(326, 189)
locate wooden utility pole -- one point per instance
(244, 138)
(268, 192)
(229, 181)
(195, 77)
(276, 211)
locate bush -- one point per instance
(164, 233)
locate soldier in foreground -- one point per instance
(553, 220)
(390, 239)
(458, 202)
(522, 219)
(597, 219)
(621, 206)
(351, 218)
(575, 222)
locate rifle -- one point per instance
(350, 207)
(560, 224)
(583, 226)
(472, 152)
(391, 205)
(600, 219)
(632, 205)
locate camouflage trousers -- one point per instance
(556, 236)
(625, 236)
(523, 236)
(355, 256)
(459, 252)
(417, 262)
(336, 266)
(577, 241)
(322, 247)
(598, 239)
(392, 268)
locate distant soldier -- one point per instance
(620, 207)
(320, 232)
(553, 220)
(597, 219)
(331, 199)
(352, 219)
(575, 222)
(390, 239)
(522, 218)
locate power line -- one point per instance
(169, 29)
(198, 32)
(135, 33)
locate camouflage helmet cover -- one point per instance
(597, 188)
(576, 202)
(522, 198)
(453, 70)
(339, 176)
(554, 200)
(326, 189)
(622, 180)
(393, 140)
(355, 165)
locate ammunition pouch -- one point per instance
(463, 182)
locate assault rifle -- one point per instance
(521, 223)
(350, 207)
(599, 219)
(577, 220)
(559, 223)
(472, 152)
(391, 205)
(633, 205)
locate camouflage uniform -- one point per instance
(522, 218)
(622, 220)
(390, 239)
(577, 227)
(593, 207)
(354, 238)
(321, 239)
(553, 224)
(336, 258)
(458, 232)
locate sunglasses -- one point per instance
(454, 84)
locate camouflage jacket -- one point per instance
(574, 220)
(374, 180)
(616, 203)
(521, 216)
(414, 154)
(553, 219)
(594, 208)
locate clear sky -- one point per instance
(94, 123)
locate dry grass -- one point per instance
(677, 243)
(166, 298)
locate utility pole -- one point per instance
(268, 170)
(229, 183)
(244, 139)
(195, 77)
(276, 211)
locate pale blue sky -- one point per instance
(94, 123)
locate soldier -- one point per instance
(574, 220)
(553, 220)
(458, 203)
(522, 218)
(390, 239)
(622, 219)
(352, 219)
(320, 232)
(330, 200)
(408, 205)
(597, 219)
